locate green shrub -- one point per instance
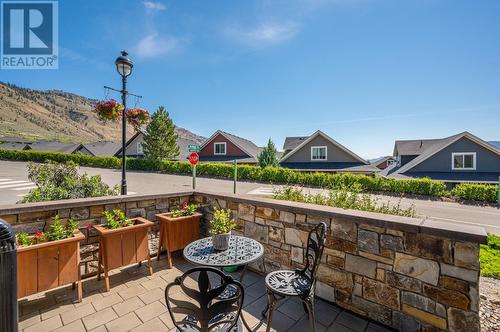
(57, 181)
(423, 186)
(345, 197)
(490, 257)
(476, 192)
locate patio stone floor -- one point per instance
(136, 303)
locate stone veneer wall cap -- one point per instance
(465, 232)
(71, 203)
(430, 226)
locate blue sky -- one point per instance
(366, 72)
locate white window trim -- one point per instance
(319, 147)
(140, 148)
(225, 148)
(473, 154)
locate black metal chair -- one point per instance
(205, 299)
(300, 283)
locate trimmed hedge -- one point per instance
(476, 192)
(269, 174)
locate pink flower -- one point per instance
(88, 227)
(38, 235)
(184, 205)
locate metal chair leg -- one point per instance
(264, 312)
(309, 304)
(271, 302)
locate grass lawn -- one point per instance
(490, 257)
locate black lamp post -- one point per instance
(124, 67)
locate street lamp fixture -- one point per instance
(124, 67)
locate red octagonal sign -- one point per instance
(193, 158)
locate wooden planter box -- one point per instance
(123, 246)
(48, 265)
(176, 233)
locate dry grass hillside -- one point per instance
(56, 115)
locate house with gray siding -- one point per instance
(321, 153)
(134, 147)
(459, 158)
(53, 146)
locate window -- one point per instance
(463, 161)
(140, 148)
(318, 153)
(220, 148)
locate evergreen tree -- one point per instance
(160, 139)
(268, 156)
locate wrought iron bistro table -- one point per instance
(241, 252)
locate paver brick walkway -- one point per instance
(136, 303)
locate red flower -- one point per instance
(38, 235)
(88, 227)
(117, 217)
(184, 205)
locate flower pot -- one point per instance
(221, 241)
(123, 246)
(48, 265)
(176, 233)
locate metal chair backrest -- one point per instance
(203, 299)
(315, 245)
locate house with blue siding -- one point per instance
(459, 158)
(321, 153)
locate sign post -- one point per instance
(193, 159)
(235, 175)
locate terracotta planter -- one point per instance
(123, 246)
(48, 265)
(176, 233)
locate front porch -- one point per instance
(136, 302)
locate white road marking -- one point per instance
(131, 193)
(21, 195)
(23, 184)
(261, 191)
(12, 182)
(24, 188)
(5, 180)
(465, 222)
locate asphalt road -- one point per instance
(14, 183)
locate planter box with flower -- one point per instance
(122, 242)
(220, 228)
(178, 228)
(49, 260)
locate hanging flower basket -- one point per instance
(137, 117)
(108, 110)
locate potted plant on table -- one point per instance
(178, 228)
(220, 228)
(49, 259)
(122, 242)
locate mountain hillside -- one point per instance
(57, 115)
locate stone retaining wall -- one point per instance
(411, 274)
(35, 217)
